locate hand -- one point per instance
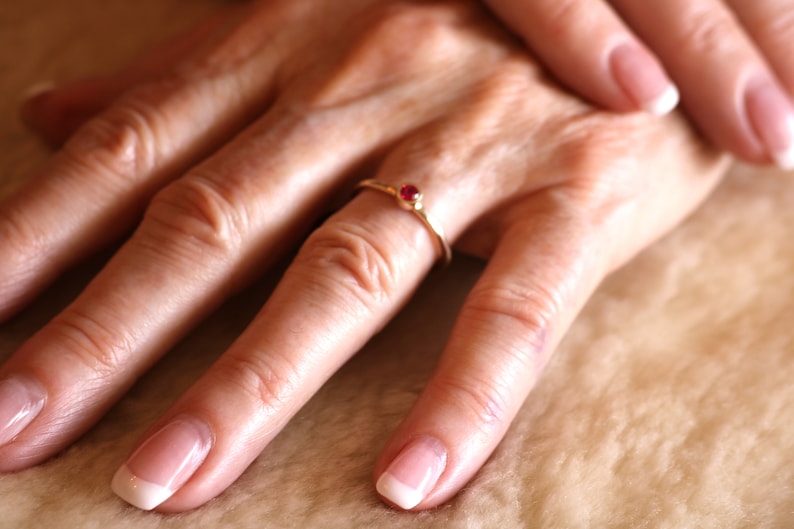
(731, 59)
(232, 150)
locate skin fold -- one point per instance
(222, 155)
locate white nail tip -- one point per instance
(138, 492)
(398, 492)
(37, 89)
(665, 103)
(785, 158)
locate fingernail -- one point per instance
(31, 97)
(37, 90)
(772, 116)
(21, 400)
(163, 463)
(643, 79)
(413, 473)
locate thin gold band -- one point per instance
(409, 197)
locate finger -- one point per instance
(551, 250)
(56, 111)
(96, 187)
(771, 25)
(589, 48)
(540, 276)
(347, 281)
(725, 83)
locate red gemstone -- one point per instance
(410, 193)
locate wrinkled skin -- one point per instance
(225, 148)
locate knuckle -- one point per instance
(777, 23)
(706, 29)
(486, 402)
(599, 157)
(27, 255)
(533, 310)
(20, 234)
(425, 26)
(499, 97)
(90, 342)
(266, 379)
(562, 17)
(378, 58)
(514, 77)
(202, 210)
(351, 257)
(126, 140)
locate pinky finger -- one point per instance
(535, 284)
(56, 111)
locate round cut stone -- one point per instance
(410, 193)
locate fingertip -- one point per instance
(785, 160)
(138, 492)
(665, 103)
(771, 115)
(413, 474)
(36, 91)
(31, 101)
(642, 79)
(163, 463)
(21, 401)
(55, 111)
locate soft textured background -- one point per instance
(670, 404)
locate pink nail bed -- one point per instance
(771, 114)
(21, 400)
(163, 463)
(413, 473)
(643, 80)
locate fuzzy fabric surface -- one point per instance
(669, 405)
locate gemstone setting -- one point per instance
(409, 193)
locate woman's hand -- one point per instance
(730, 58)
(233, 144)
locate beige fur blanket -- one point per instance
(669, 405)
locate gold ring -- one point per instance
(409, 197)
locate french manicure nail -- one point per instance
(413, 473)
(21, 400)
(36, 90)
(643, 80)
(30, 100)
(771, 114)
(163, 463)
